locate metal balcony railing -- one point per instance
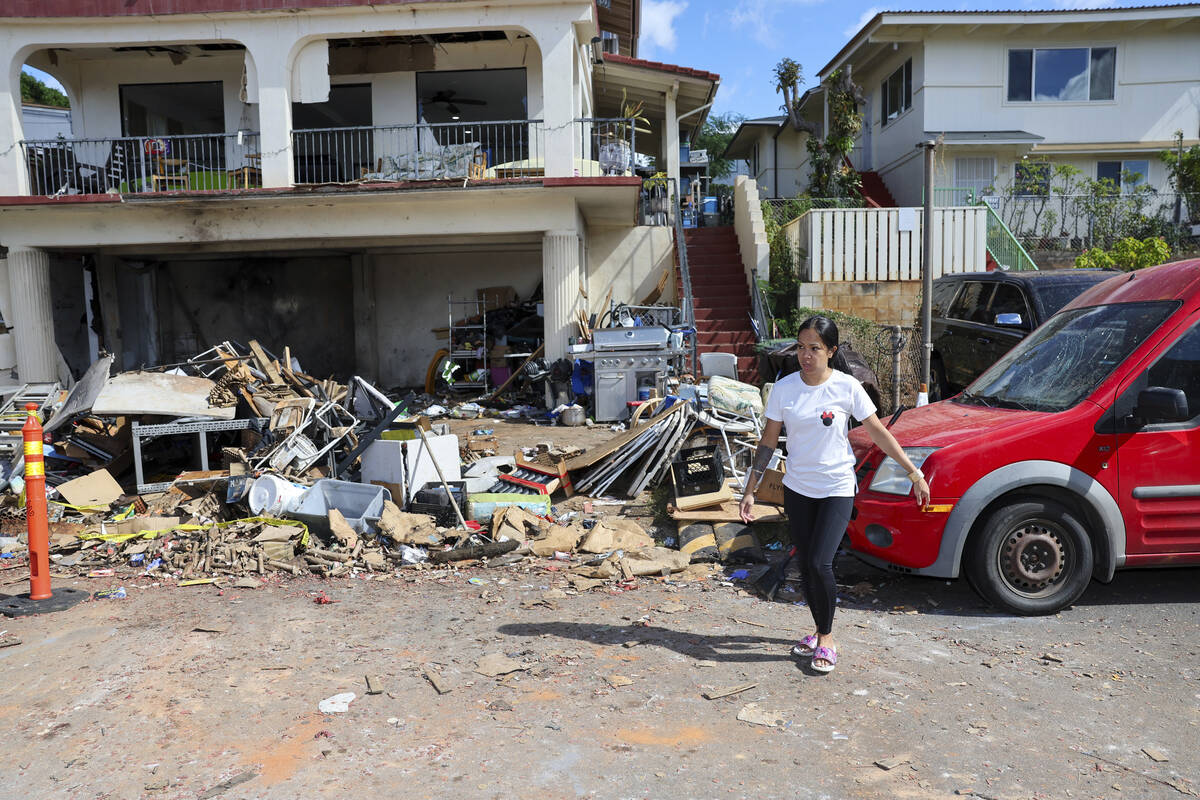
(424, 152)
(607, 147)
(135, 164)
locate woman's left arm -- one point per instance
(884, 440)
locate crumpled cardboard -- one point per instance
(517, 524)
(556, 539)
(411, 529)
(615, 535)
(341, 529)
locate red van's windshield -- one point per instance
(1061, 362)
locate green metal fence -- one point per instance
(1003, 246)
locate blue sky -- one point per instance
(742, 40)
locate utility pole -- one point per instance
(926, 274)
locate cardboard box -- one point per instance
(770, 488)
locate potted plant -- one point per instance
(616, 148)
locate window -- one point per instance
(897, 93)
(1062, 74)
(973, 178)
(943, 293)
(972, 302)
(172, 109)
(1178, 368)
(1008, 299)
(1124, 174)
(1032, 178)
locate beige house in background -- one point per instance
(1104, 90)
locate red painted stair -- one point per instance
(721, 297)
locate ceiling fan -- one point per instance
(447, 96)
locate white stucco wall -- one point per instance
(629, 261)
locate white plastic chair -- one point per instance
(723, 364)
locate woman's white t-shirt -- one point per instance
(820, 462)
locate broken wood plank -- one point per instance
(728, 691)
(265, 364)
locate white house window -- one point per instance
(1124, 175)
(1062, 74)
(973, 177)
(897, 93)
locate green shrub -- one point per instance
(1127, 255)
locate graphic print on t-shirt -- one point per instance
(827, 418)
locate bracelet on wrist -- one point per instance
(916, 475)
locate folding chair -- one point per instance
(724, 364)
(735, 410)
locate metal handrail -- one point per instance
(689, 310)
(1004, 247)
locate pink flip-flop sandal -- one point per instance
(805, 647)
(826, 654)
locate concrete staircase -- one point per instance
(721, 297)
(875, 191)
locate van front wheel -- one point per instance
(1032, 557)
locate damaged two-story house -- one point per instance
(326, 174)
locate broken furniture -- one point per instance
(644, 452)
(247, 175)
(304, 432)
(170, 173)
(735, 411)
(406, 466)
(723, 364)
(145, 433)
(360, 504)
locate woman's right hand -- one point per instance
(746, 508)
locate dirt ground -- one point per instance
(199, 692)
(179, 692)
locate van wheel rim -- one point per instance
(1033, 557)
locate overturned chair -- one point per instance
(735, 410)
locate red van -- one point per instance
(1076, 454)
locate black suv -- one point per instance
(980, 316)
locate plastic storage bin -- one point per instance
(361, 504)
(698, 470)
(431, 499)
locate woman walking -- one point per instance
(814, 406)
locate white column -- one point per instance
(12, 161)
(560, 289)
(671, 136)
(273, 93)
(558, 99)
(33, 317)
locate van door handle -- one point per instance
(984, 340)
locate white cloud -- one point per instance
(866, 17)
(658, 24)
(759, 16)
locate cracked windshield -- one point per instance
(1066, 358)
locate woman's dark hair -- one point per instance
(827, 329)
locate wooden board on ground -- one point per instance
(596, 454)
(706, 500)
(728, 512)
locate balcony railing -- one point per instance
(134, 164)
(608, 147)
(396, 153)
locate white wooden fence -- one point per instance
(884, 244)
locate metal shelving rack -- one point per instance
(468, 309)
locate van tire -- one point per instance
(1032, 556)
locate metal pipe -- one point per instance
(927, 272)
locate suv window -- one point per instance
(943, 294)
(1009, 299)
(972, 302)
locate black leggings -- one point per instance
(817, 527)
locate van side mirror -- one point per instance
(1160, 404)
(1010, 320)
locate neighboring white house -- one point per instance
(45, 122)
(326, 175)
(1103, 90)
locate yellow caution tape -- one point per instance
(34, 469)
(80, 509)
(124, 537)
(197, 582)
(33, 447)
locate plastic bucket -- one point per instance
(573, 416)
(274, 496)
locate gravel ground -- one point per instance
(134, 698)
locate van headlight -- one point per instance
(891, 478)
